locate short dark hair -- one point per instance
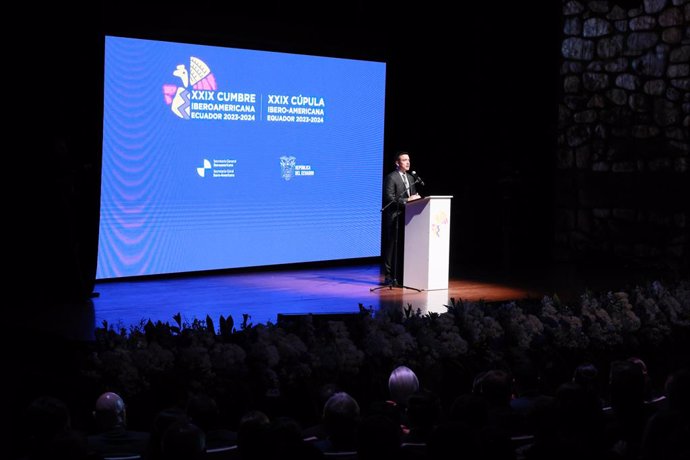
(400, 153)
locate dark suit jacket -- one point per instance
(393, 188)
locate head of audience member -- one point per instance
(110, 411)
(678, 391)
(340, 418)
(253, 434)
(402, 383)
(285, 434)
(203, 411)
(626, 385)
(46, 417)
(477, 383)
(526, 378)
(578, 409)
(470, 410)
(586, 375)
(161, 422)
(183, 441)
(645, 373)
(48, 425)
(495, 387)
(423, 410)
(339, 407)
(639, 362)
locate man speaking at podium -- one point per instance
(398, 189)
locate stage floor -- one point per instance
(266, 294)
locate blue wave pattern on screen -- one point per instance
(223, 158)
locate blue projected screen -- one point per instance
(220, 158)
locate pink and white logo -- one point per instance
(199, 77)
(439, 224)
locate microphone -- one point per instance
(417, 178)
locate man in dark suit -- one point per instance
(398, 189)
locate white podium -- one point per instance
(427, 243)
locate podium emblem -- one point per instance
(440, 221)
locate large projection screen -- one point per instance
(218, 158)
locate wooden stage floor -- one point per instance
(266, 294)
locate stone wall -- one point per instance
(622, 182)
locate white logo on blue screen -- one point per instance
(218, 167)
(289, 168)
(202, 171)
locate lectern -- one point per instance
(427, 243)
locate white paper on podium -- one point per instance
(427, 243)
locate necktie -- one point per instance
(407, 184)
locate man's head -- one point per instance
(110, 411)
(402, 161)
